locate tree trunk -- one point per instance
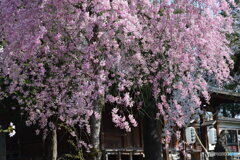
(152, 131)
(96, 153)
(53, 145)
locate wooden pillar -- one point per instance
(216, 125)
(131, 156)
(141, 134)
(125, 140)
(238, 134)
(195, 155)
(106, 156)
(203, 132)
(182, 155)
(3, 151)
(165, 151)
(119, 156)
(215, 110)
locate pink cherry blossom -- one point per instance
(60, 57)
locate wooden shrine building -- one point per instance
(222, 124)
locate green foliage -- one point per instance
(77, 153)
(148, 100)
(231, 86)
(161, 12)
(3, 43)
(231, 110)
(178, 11)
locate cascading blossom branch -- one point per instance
(60, 57)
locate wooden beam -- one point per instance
(225, 95)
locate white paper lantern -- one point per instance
(212, 136)
(190, 135)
